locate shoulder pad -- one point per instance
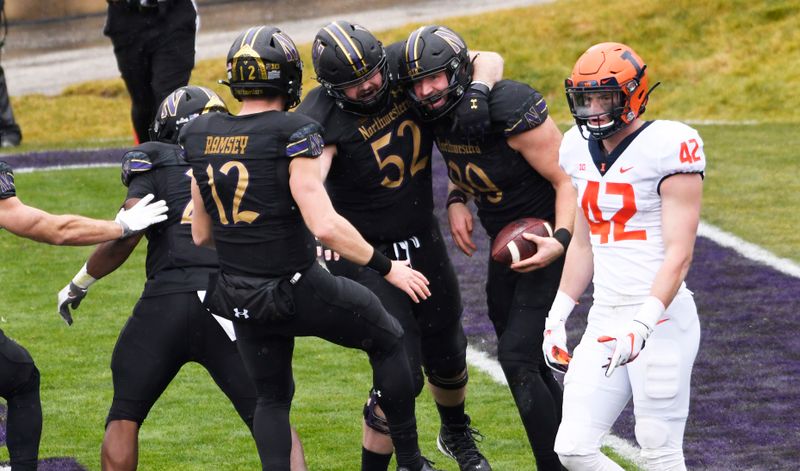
(148, 156)
(7, 188)
(517, 107)
(306, 141)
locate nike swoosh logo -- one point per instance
(623, 170)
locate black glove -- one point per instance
(471, 115)
(70, 296)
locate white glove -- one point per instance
(630, 340)
(554, 345)
(141, 215)
(72, 294)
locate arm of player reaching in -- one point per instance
(460, 219)
(681, 197)
(337, 233)
(578, 271)
(67, 229)
(539, 146)
(202, 226)
(107, 257)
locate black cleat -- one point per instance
(459, 443)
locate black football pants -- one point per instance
(163, 334)
(348, 314)
(153, 63)
(518, 307)
(19, 385)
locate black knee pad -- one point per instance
(373, 420)
(26, 394)
(454, 381)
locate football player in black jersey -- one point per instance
(19, 377)
(378, 153)
(169, 326)
(260, 201)
(511, 172)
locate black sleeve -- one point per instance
(318, 106)
(516, 107)
(7, 188)
(142, 185)
(305, 142)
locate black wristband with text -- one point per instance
(563, 236)
(380, 263)
(456, 196)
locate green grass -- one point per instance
(192, 426)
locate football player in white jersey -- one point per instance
(639, 191)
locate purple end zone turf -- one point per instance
(745, 410)
(58, 158)
(2, 425)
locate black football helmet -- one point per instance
(263, 61)
(182, 106)
(345, 55)
(427, 51)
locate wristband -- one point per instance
(650, 312)
(456, 196)
(380, 263)
(563, 236)
(482, 87)
(562, 306)
(83, 279)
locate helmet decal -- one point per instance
(171, 103)
(413, 51)
(451, 38)
(287, 45)
(351, 51)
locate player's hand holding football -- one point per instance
(461, 224)
(141, 215)
(547, 250)
(630, 339)
(409, 280)
(472, 116)
(554, 345)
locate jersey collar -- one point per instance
(604, 162)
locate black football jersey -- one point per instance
(380, 179)
(7, 188)
(241, 164)
(504, 185)
(174, 263)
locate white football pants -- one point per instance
(658, 380)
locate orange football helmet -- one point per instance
(609, 81)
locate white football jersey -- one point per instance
(623, 207)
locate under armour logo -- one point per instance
(238, 314)
(474, 103)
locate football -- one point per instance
(510, 246)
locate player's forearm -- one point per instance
(671, 274)
(488, 67)
(578, 269)
(74, 230)
(565, 205)
(109, 256)
(338, 234)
